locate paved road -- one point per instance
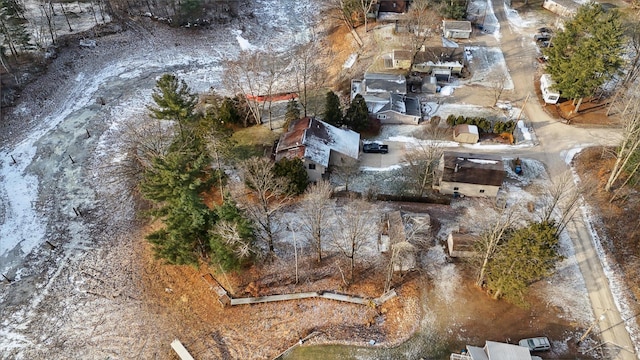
(555, 140)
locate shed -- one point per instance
(461, 245)
(456, 29)
(465, 133)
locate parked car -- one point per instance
(375, 148)
(536, 344)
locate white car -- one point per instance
(536, 343)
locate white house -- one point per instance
(493, 350)
(318, 145)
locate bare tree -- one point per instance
(267, 194)
(228, 231)
(254, 75)
(491, 238)
(241, 78)
(310, 72)
(314, 215)
(346, 11)
(562, 200)
(421, 22)
(356, 224)
(346, 171)
(630, 143)
(498, 84)
(423, 158)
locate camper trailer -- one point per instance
(548, 95)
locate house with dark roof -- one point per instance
(467, 174)
(318, 145)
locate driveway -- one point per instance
(383, 161)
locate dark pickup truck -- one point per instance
(375, 148)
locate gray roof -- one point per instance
(384, 83)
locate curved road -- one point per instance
(556, 139)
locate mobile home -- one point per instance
(549, 95)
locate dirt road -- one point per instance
(556, 141)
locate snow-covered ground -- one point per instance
(59, 171)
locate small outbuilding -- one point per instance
(461, 245)
(465, 133)
(456, 29)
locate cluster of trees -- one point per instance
(587, 53)
(483, 124)
(512, 256)
(190, 163)
(356, 117)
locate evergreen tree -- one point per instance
(332, 111)
(523, 257)
(295, 172)
(587, 53)
(175, 102)
(175, 184)
(292, 114)
(232, 240)
(357, 116)
(15, 36)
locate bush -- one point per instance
(451, 120)
(293, 169)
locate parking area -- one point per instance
(382, 161)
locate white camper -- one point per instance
(550, 96)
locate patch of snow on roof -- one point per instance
(473, 129)
(481, 161)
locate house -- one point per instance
(385, 95)
(399, 109)
(318, 145)
(393, 6)
(428, 60)
(468, 174)
(565, 8)
(465, 133)
(493, 350)
(461, 245)
(383, 84)
(456, 29)
(441, 60)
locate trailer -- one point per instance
(549, 95)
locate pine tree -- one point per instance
(175, 184)
(523, 257)
(587, 53)
(295, 172)
(292, 114)
(357, 116)
(332, 111)
(174, 101)
(15, 36)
